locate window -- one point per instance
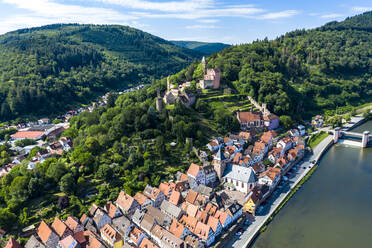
(237, 183)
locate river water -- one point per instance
(332, 209)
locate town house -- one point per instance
(126, 203)
(196, 172)
(155, 195)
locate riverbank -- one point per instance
(320, 214)
(318, 151)
(271, 206)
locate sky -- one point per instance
(233, 22)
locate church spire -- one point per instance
(204, 64)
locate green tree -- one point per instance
(7, 218)
(67, 184)
(56, 171)
(286, 121)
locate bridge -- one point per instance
(364, 137)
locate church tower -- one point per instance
(204, 64)
(219, 163)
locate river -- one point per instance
(332, 209)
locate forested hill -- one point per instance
(203, 47)
(49, 69)
(305, 71)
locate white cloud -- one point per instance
(361, 9)
(203, 13)
(278, 15)
(170, 6)
(331, 16)
(42, 12)
(208, 20)
(201, 27)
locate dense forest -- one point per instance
(49, 69)
(305, 71)
(129, 144)
(206, 48)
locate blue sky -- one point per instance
(231, 21)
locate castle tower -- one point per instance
(265, 111)
(168, 84)
(204, 64)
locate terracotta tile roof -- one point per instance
(210, 208)
(282, 161)
(175, 198)
(140, 198)
(221, 216)
(176, 228)
(189, 222)
(238, 156)
(83, 218)
(267, 136)
(193, 170)
(125, 201)
(245, 135)
(202, 231)
(135, 234)
(191, 196)
(192, 242)
(166, 188)
(12, 243)
(293, 153)
(59, 227)
(44, 231)
(152, 192)
(110, 233)
(202, 216)
(72, 223)
(145, 243)
(271, 172)
(111, 209)
(183, 177)
(245, 117)
(158, 231)
(275, 151)
(68, 242)
(190, 209)
(27, 134)
(259, 146)
(226, 140)
(213, 223)
(94, 243)
(213, 143)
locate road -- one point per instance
(277, 197)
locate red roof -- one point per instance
(12, 243)
(44, 231)
(193, 170)
(27, 134)
(245, 117)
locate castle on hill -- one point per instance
(211, 78)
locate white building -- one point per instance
(240, 178)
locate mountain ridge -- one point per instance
(48, 69)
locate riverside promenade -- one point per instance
(274, 202)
